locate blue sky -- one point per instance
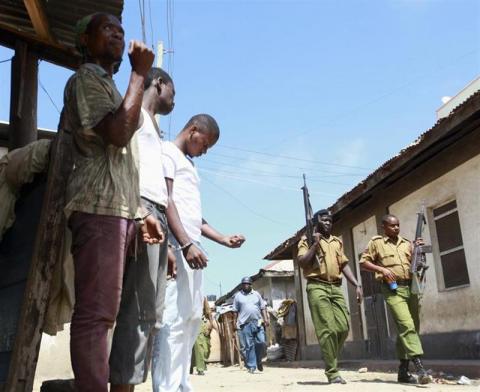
(329, 88)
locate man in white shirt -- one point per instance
(145, 274)
(183, 313)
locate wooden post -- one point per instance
(23, 97)
(48, 251)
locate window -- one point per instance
(450, 245)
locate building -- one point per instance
(440, 170)
(274, 283)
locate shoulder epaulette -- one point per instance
(376, 237)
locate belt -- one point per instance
(404, 282)
(334, 283)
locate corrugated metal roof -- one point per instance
(444, 126)
(62, 16)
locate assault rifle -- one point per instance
(309, 227)
(418, 266)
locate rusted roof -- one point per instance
(443, 129)
(49, 25)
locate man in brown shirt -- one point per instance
(389, 256)
(102, 191)
(323, 265)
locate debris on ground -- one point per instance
(363, 370)
(464, 380)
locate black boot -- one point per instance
(404, 375)
(423, 377)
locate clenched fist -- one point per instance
(141, 58)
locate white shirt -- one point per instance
(186, 188)
(152, 178)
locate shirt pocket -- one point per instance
(388, 259)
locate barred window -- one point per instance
(450, 245)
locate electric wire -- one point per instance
(48, 95)
(270, 163)
(283, 188)
(270, 175)
(293, 158)
(6, 60)
(141, 6)
(151, 24)
(244, 205)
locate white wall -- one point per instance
(457, 308)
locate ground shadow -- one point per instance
(313, 383)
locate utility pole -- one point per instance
(220, 286)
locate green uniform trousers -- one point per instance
(201, 352)
(405, 308)
(330, 320)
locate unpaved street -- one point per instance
(233, 379)
(280, 379)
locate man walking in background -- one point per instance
(251, 322)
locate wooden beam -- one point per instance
(23, 97)
(48, 251)
(39, 19)
(54, 53)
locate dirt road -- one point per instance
(281, 379)
(233, 379)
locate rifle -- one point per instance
(418, 266)
(309, 229)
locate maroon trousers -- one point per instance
(99, 248)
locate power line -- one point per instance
(284, 188)
(6, 61)
(151, 24)
(292, 158)
(254, 171)
(378, 98)
(270, 163)
(239, 201)
(141, 7)
(270, 175)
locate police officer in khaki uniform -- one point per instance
(389, 257)
(323, 265)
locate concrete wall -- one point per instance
(455, 309)
(275, 289)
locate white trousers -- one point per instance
(182, 317)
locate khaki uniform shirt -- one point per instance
(394, 256)
(331, 257)
(104, 179)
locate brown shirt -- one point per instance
(331, 260)
(104, 179)
(395, 256)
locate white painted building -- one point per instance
(441, 171)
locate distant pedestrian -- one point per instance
(389, 256)
(251, 321)
(323, 264)
(201, 348)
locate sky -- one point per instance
(331, 89)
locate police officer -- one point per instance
(389, 257)
(323, 264)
